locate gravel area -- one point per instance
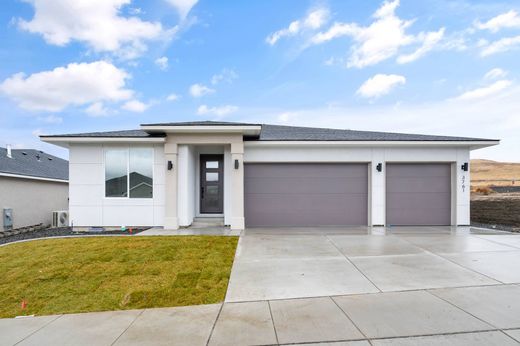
(61, 232)
(497, 227)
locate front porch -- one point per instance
(204, 176)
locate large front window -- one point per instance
(129, 172)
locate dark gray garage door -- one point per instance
(298, 194)
(418, 194)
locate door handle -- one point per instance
(202, 192)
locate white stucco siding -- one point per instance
(88, 205)
(377, 180)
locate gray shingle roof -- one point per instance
(284, 133)
(202, 123)
(26, 162)
(293, 133)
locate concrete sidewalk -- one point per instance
(483, 315)
(398, 286)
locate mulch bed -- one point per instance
(63, 231)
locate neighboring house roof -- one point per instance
(33, 163)
(283, 133)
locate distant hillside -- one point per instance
(487, 172)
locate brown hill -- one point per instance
(487, 172)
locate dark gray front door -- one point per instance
(418, 194)
(211, 184)
(305, 194)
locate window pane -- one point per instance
(141, 172)
(211, 164)
(212, 197)
(211, 176)
(116, 173)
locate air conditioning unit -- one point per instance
(60, 218)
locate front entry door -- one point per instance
(211, 184)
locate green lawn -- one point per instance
(113, 273)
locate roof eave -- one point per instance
(33, 177)
(65, 141)
(477, 144)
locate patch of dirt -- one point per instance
(496, 209)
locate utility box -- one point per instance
(8, 218)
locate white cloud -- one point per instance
(287, 117)
(135, 106)
(429, 41)
(183, 7)
(51, 119)
(162, 62)
(380, 84)
(382, 39)
(73, 85)
(313, 21)
(97, 23)
(495, 74)
(218, 111)
(226, 75)
(485, 92)
(509, 19)
(199, 90)
(172, 97)
(97, 109)
(499, 46)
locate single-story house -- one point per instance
(33, 184)
(259, 175)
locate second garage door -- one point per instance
(304, 194)
(418, 194)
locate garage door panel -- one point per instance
(280, 194)
(418, 194)
(418, 184)
(307, 203)
(420, 216)
(291, 170)
(412, 170)
(415, 200)
(297, 185)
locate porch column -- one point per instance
(171, 219)
(237, 181)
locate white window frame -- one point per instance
(127, 149)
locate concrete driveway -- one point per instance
(355, 287)
(299, 263)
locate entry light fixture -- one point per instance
(170, 165)
(236, 164)
(379, 167)
(464, 166)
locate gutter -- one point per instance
(32, 177)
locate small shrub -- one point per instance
(484, 190)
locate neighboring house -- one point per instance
(33, 184)
(266, 175)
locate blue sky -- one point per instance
(438, 67)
